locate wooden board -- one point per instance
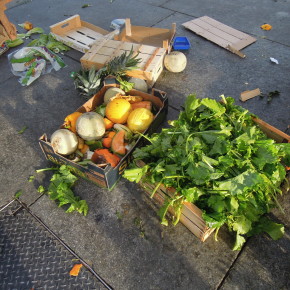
(221, 34)
(104, 50)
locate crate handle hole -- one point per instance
(65, 25)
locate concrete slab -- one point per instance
(167, 258)
(212, 71)
(265, 259)
(246, 16)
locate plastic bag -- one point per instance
(117, 24)
(31, 62)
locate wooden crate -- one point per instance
(104, 50)
(153, 36)
(77, 33)
(191, 215)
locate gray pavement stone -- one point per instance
(171, 257)
(246, 16)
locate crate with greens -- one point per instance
(216, 158)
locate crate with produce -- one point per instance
(215, 166)
(97, 140)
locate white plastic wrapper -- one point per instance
(31, 62)
(117, 24)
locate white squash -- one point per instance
(64, 141)
(139, 84)
(175, 61)
(112, 92)
(90, 126)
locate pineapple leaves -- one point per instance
(89, 82)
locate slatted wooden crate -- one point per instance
(221, 34)
(153, 36)
(191, 215)
(77, 33)
(104, 50)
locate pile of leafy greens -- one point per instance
(216, 157)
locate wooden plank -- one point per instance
(221, 34)
(207, 34)
(224, 27)
(246, 95)
(128, 27)
(148, 62)
(230, 38)
(89, 33)
(244, 42)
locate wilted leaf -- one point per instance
(266, 26)
(75, 269)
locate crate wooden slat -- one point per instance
(221, 34)
(191, 215)
(77, 33)
(104, 50)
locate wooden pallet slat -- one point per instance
(220, 34)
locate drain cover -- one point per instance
(30, 258)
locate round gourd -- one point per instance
(64, 141)
(118, 110)
(112, 92)
(90, 126)
(139, 119)
(139, 84)
(175, 61)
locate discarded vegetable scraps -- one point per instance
(266, 26)
(270, 95)
(26, 25)
(60, 189)
(75, 270)
(215, 156)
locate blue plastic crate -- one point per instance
(181, 43)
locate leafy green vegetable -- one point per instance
(60, 190)
(50, 42)
(215, 156)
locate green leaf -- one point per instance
(217, 108)
(192, 194)
(216, 202)
(22, 130)
(242, 225)
(240, 240)
(41, 189)
(135, 175)
(18, 193)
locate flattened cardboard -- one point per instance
(246, 95)
(221, 34)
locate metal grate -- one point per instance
(31, 258)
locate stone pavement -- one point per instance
(169, 257)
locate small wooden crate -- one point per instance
(104, 50)
(77, 34)
(191, 215)
(153, 36)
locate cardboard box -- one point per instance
(153, 36)
(191, 215)
(104, 50)
(108, 176)
(77, 33)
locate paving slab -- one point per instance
(212, 71)
(265, 259)
(110, 236)
(246, 16)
